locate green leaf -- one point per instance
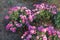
(52, 37)
(14, 16)
(40, 39)
(57, 20)
(56, 37)
(20, 21)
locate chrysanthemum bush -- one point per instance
(37, 24)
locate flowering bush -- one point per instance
(36, 24)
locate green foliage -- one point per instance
(40, 39)
(56, 37)
(14, 16)
(44, 16)
(49, 1)
(57, 20)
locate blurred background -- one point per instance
(6, 4)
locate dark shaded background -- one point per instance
(4, 5)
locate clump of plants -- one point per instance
(37, 24)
